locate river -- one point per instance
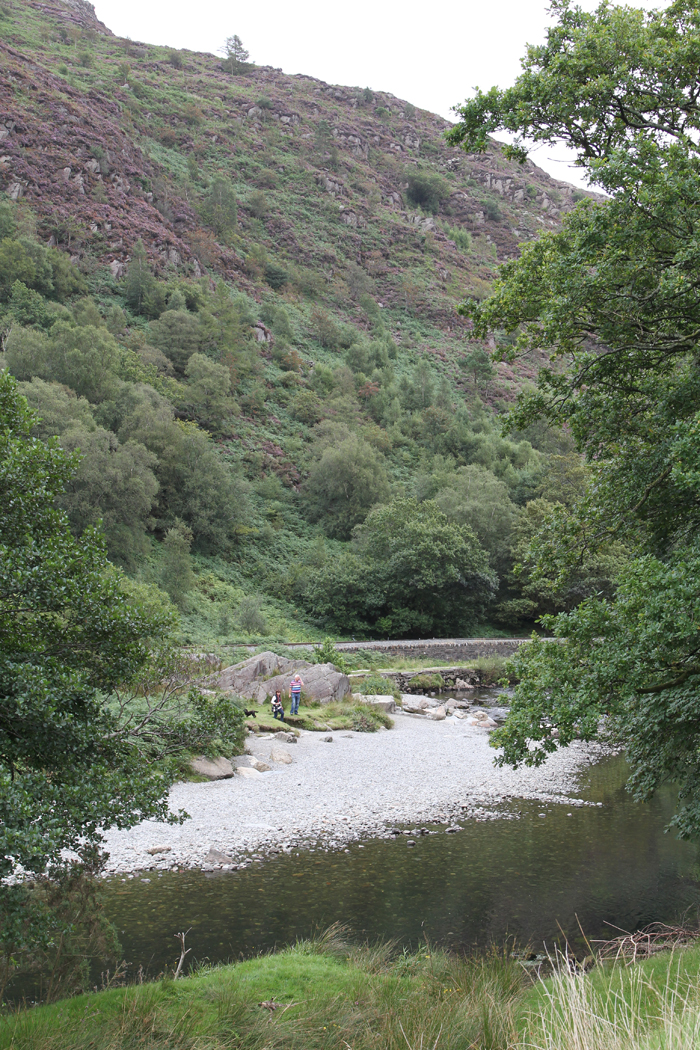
(606, 867)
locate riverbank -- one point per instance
(326, 995)
(323, 794)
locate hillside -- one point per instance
(256, 340)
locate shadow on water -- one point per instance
(610, 865)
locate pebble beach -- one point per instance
(324, 792)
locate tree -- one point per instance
(344, 484)
(207, 390)
(176, 574)
(139, 281)
(90, 689)
(68, 635)
(236, 60)
(410, 572)
(614, 295)
(478, 365)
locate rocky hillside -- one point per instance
(327, 167)
(346, 231)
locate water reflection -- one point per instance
(608, 865)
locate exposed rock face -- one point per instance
(322, 682)
(212, 768)
(261, 676)
(239, 677)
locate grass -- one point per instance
(359, 717)
(325, 994)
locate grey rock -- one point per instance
(212, 768)
(322, 682)
(250, 762)
(215, 856)
(383, 701)
(248, 772)
(278, 754)
(159, 849)
(437, 714)
(327, 739)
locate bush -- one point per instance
(328, 654)
(276, 276)
(175, 59)
(250, 616)
(428, 681)
(257, 205)
(427, 190)
(377, 685)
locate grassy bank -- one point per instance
(323, 994)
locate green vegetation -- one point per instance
(269, 445)
(97, 709)
(327, 994)
(613, 294)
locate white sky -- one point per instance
(430, 56)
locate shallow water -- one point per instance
(605, 867)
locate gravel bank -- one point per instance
(357, 786)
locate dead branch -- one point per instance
(183, 952)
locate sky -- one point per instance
(432, 56)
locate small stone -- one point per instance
(248, 771)
(327, 739)
(159, 849)
(410, 842)
(278, 754)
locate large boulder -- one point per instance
(322, 682)
(436, 713)
(212, 768)
(239, 677)
(278, 754)
(383, 701)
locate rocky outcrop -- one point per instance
(239, 677)
(261, 676)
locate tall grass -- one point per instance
(324, 993)
(626, 1008)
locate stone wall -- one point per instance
(457, 649)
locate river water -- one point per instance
(606, 867)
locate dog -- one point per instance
(250, 714)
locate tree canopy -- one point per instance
(612, 299)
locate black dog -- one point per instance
(250, 714)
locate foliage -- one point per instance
(344, 484)
(326, 653)
(614, 294)
(250, 616)
(412, 572)
(176, 576)
(427, 190)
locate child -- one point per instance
(277, 709)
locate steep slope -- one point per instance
(350, 232)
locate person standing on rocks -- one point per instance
(295, 693)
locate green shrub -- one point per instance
(175, 59)
(328, 654)
(377, 685)
(276, 276)
(428, 681)
(427, 190)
